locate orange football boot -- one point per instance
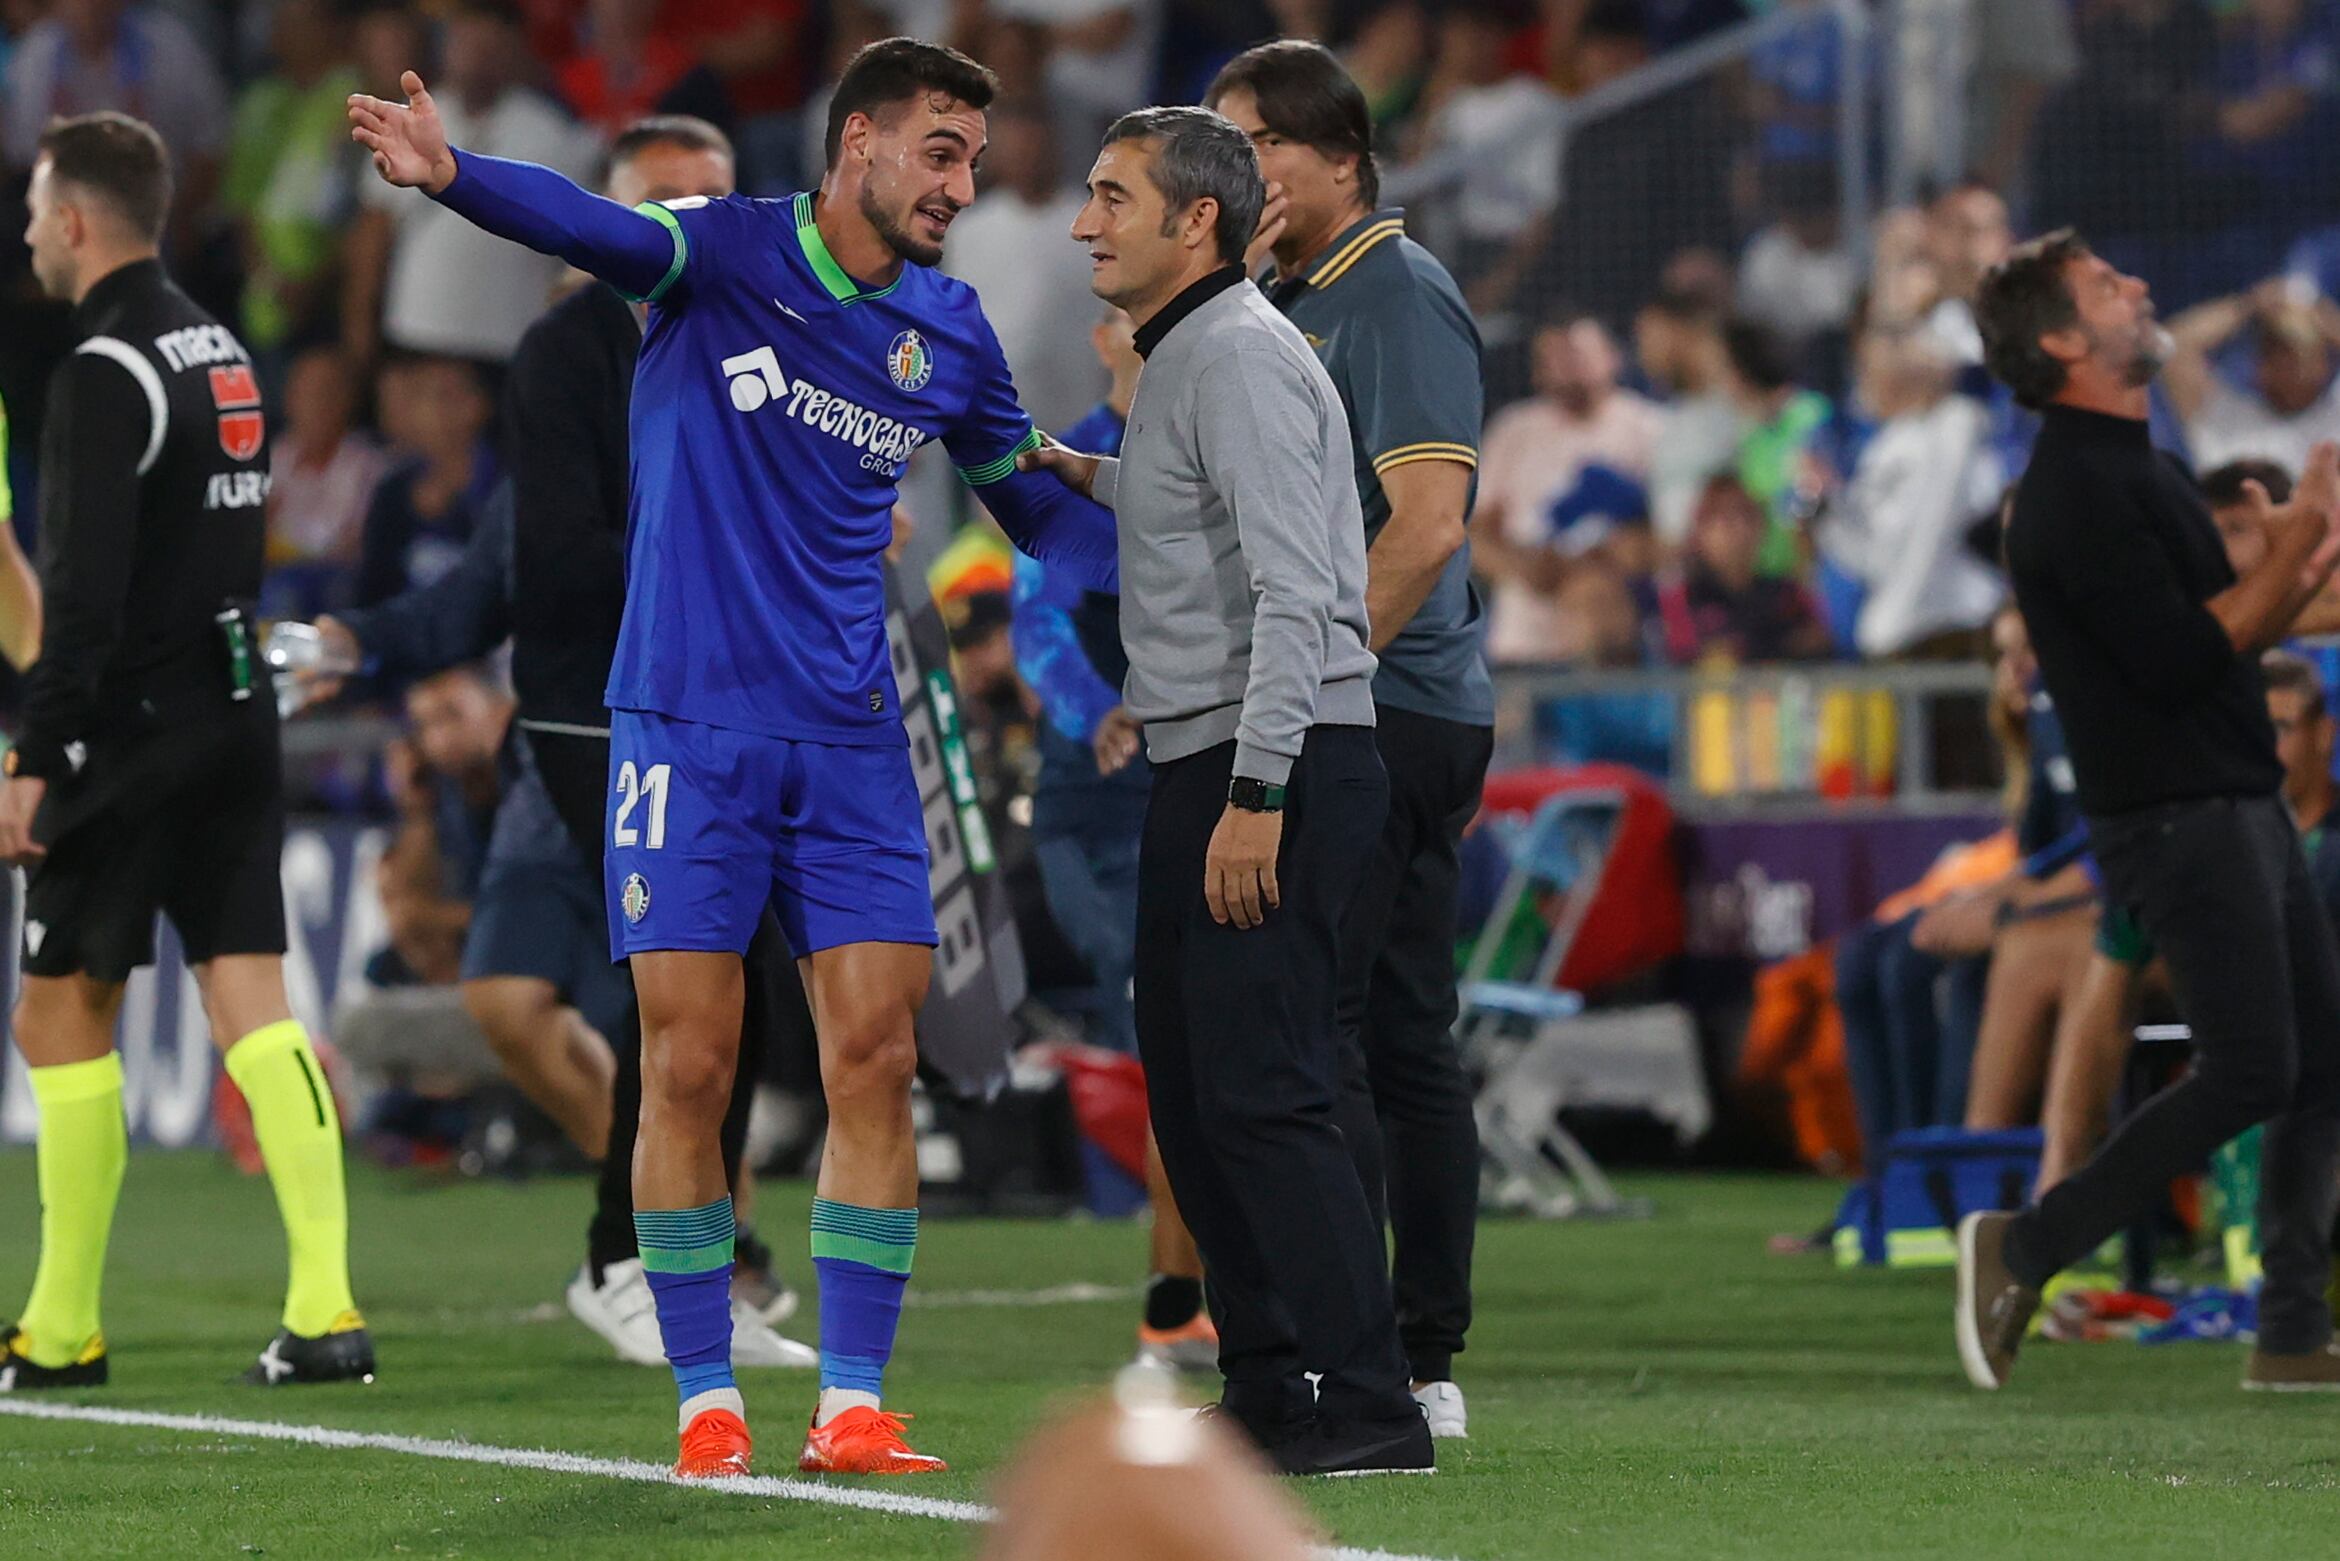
(864, 1441)
(1192, 1346)
(715, 1446)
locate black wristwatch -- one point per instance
(1254, 796)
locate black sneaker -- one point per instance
(1265, 1435)
(343, 1353)
(19, 1373)
(1360, 1447)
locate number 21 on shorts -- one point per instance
(633, 785)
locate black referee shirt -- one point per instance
(2113, 555)
(154, 491)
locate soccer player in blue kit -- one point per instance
(798, 352)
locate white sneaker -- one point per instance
(754, 1343)
(1442, 1406)
(620, 1309)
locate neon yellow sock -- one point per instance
(83, 1147)
(300, 1138)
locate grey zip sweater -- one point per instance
(1242, 541)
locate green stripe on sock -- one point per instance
(886, 1256)
(884, 1239)
(685, 1241)
(685, 1260)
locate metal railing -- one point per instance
(1766, 738)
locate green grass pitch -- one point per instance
(1649, 1390)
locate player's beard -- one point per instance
(898, 237)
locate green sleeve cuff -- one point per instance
(682, 252)
(994, 471)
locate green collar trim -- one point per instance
(816, 253)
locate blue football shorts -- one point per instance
(706, 825)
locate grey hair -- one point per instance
(1200, 154)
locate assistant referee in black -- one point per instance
(1392, 330)
(146, 774)
(2150, 646)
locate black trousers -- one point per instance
(2222, 889)
(1406, 1103)
(1236, 1029)
(576, 775)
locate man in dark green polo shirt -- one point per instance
(1394, 333)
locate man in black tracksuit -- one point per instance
(2150, 646)
(146, 774)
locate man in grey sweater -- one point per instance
(1243, 611)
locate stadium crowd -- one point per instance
(1730, 421)
(1697, 312)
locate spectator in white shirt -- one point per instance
(322, 471)
(1491, 138)
(1010, 245)
(1535, 454)
(1921, 483)
(421, 278)
(2292, 400)
(1797, 275)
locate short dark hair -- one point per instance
(2288, 672)
(1304, 94)
(894, 70)
(2023, 298)
(1199, 154)
(2224, 485)
(120, 160)
(687, 131)
(1758, 354)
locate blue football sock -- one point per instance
(863, 1259)
(686, 1256)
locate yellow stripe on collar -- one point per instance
(1348, 254)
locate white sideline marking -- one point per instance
(1054, 1295)
(550, 1462)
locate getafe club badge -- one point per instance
(634, 898)
(910, 361)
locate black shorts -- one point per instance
(178, 810)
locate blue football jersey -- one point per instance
(775, 406)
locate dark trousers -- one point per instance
(576, 775)
(1089, 874)
(1910, 1022)
(2222, 889)
(1405, 1101)
(1236, 1029)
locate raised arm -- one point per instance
(638, 252)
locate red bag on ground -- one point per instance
(1109, 1103)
